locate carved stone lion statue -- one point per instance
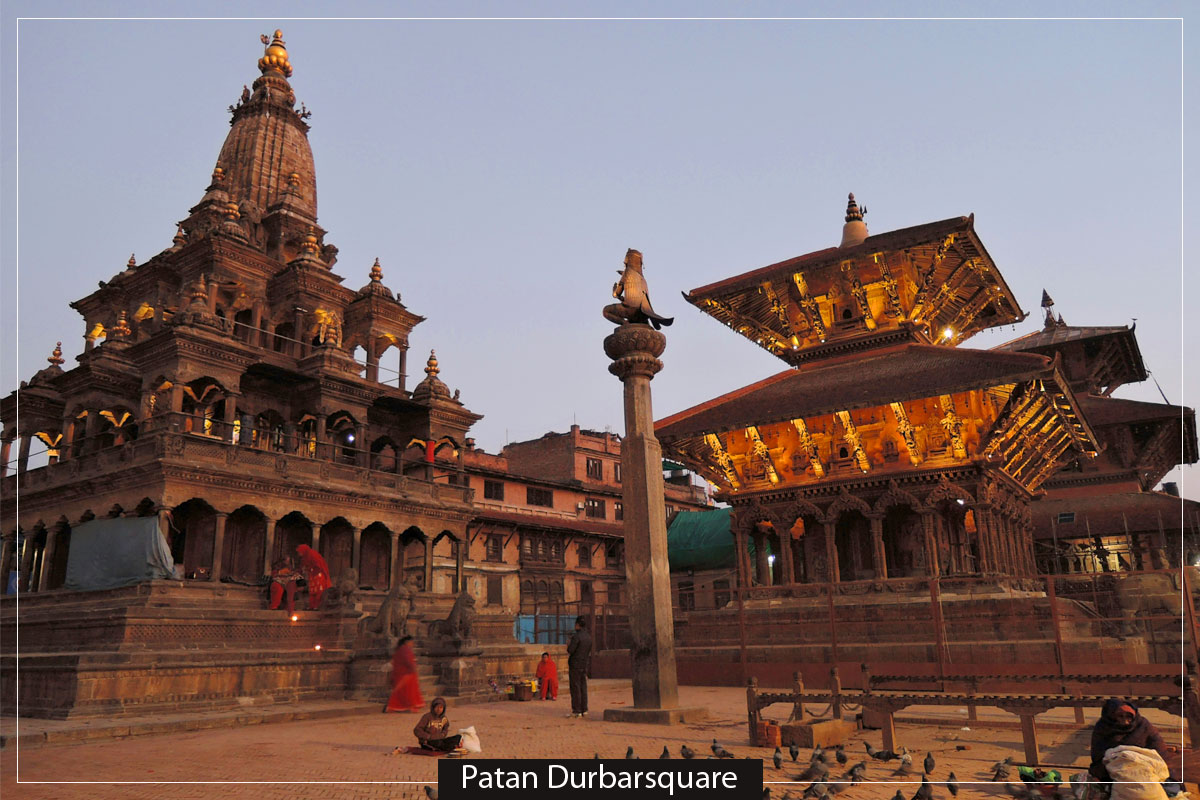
(457, 625)
(391, 621)
(345, 591)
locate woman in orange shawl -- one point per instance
(316, 574)
(406, 692)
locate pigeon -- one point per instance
(777, 758)
(665, 753)
(1007, 762)
(721, 752)
(816, 789)
(880, 755)
(818, 754)
(1001, 773)
(816, 772)
(905, 767)
(838, 788)
(431, 793)
(794, 751)
(858, 772)
(929, 763)
(629, 752)
(952, 783)
(898, 795)
(871, 751)
(1018, 790)
(924, 791)
(686, 751)
(840, 755)
(766, 793)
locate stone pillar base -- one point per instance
(656, 716)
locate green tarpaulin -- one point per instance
(699, 540)
(107, 553)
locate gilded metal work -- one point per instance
(275, 57)
(890, 287)
(634, 296)
(860, 295)
(811, 311)
(953, 425)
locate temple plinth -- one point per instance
(635, 349)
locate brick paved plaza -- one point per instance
(356, 748)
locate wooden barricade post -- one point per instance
(835, 692)
(798, 691)
(752, 708)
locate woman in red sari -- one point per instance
(406, 691)
(316, 574)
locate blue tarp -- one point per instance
(107, 553)
(551, 629)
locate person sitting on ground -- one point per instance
(547, 675)
(1121, 724)
(283, 581)
(432, 731)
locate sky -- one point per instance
(499, 169)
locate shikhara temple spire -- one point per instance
(855, 230)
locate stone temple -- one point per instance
(217, 399)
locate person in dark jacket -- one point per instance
(579, 660)
(433, 729)
(1121, 724)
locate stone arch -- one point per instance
(846, 502)
(385, 454)
(341, 430)
(284, 338)
(337, 545)
(375, 557)
(293, 530)
(193, 526)
(852, 539)
(245, 538)
(948, 491)
(204, 400)
(895, 496)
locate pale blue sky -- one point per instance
(499, 169)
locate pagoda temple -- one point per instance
(1103, 514)
(885, 450)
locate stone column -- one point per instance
(24, 579)
(983, 536)
(428, 564)
(47, 557)
(762, 567)
(316, 541)
(230, 416)
(356, 552)
(878, 555)
(7, 550)
(23, 453)
(212, 295)
(176, 407)
(361, 446)
(400, 379)
(788, 573)
(218, 546)
(299, 347)
(254, 335)
(740, 560)
(460, 584)
(634, 350)
(5, 452)
(269, 547)
(372, 364)
(931, 554)
(394, 570)
(831, 554)
(322, 445)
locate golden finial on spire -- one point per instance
(310, 246)
(132, 261)
(852, 210)
(376, 272)
(121, 329)
(431, 366)
(180, 238)
(218, 176)
(56, 357)
(276, 55)
(231, 212)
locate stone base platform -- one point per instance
(656, 716)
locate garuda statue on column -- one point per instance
(635, 298)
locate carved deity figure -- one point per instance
(634, 296)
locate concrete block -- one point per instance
(656, 716)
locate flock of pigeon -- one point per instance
(822, 785)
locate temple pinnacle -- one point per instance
(56, 357)
(854, 232)
(376, 272)
(431, 366)
(275, 58)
